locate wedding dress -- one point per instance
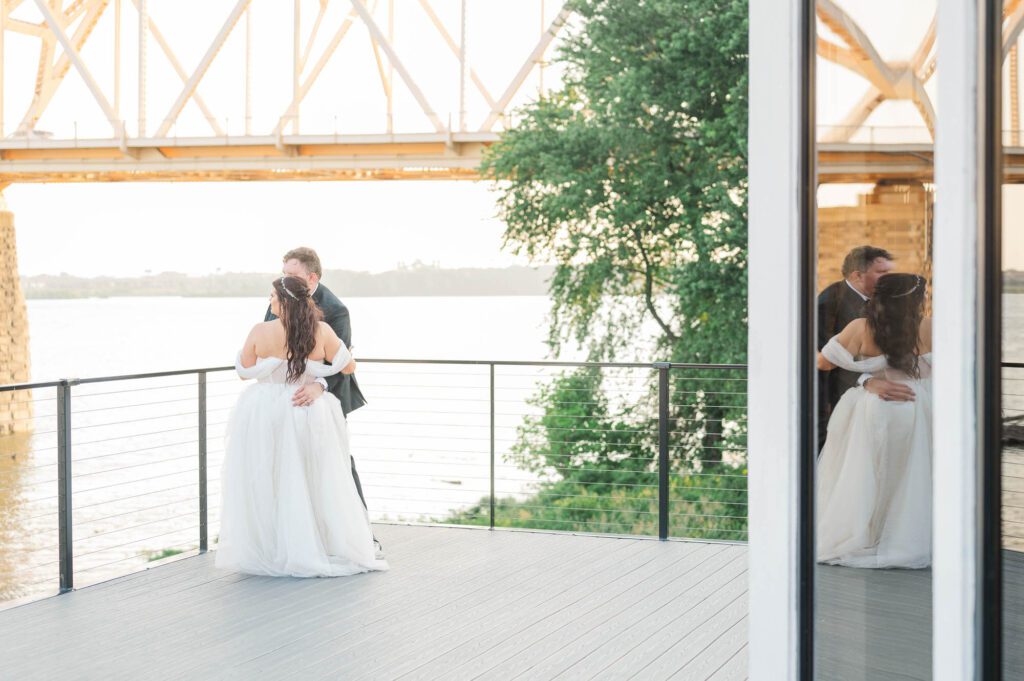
(289, 503)
(874, 483)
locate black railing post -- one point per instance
(64, 511)
(203, 535)
(663, 468)
(492, 447)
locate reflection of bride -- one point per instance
(874, 475)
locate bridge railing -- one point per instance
(104, 476)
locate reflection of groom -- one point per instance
(838, 305)
(305, 264)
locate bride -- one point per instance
(290, 505)
(874, 474)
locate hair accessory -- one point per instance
(287, 291)
(917, 285)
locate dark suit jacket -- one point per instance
(342, 386)
(838, 305)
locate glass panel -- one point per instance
(1012, 479)
(876, 120)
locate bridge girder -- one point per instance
(154, 149)
(430, 156)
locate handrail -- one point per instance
(375, 360)
(13, 387)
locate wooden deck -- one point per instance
(457, 604)
(472, 604)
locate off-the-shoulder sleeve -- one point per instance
(263, 367)
(341, 359)
(835, 353)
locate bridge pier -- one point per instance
(15, 407)
(896, 215)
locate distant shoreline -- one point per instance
(261, 295)
(415, 281)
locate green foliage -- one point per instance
(160, 555)
(564, 506)
(578, 432)
(597, 465)
(632, 180)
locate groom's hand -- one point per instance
(307, 395)
(890, 391)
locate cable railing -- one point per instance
(1013, 456)
(105, 476)
(558, 446)
(111, 474)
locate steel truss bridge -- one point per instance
(435, 146)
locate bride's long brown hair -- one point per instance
(300, 316)
(894, 316)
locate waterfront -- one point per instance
(422, 444)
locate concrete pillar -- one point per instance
(15, 407)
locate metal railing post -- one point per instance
(492, 446)
(663, 466)
(64, 510)
(203, 536)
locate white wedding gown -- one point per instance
(874, 483)
(289, 502)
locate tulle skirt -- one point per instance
(874, 483)
(289, 502)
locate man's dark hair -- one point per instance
(308, 257)
(860, 259)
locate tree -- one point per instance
(632, 179)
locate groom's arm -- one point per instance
(269, 316)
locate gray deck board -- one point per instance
(727, 645)
(564, 645)
(471, 604)
(457, 603)
(682, 637)
(627, 634)
(504, 602)
(733, 670)
(539, 613)
(361, 637)
(873, 623)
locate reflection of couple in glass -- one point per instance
(874, 468)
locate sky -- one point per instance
(121, 229)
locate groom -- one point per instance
(838, 305)
(304, 263)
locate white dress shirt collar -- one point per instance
(852, 288)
